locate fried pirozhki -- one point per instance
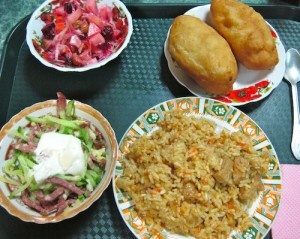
(247, 33)
(202, 54)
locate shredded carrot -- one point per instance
(231, 204)
(187, 172)
(193, 152)
(193, 149)
(155, 191)
(181, 212)
(243, 145)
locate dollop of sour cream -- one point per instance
(58, 154)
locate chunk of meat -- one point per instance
(255, 186)
(225, 174)
(190, 192)
(240, 168)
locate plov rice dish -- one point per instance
(192, 180)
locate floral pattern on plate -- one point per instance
(263, 211)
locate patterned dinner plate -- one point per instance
(250, 86)
(263, 210)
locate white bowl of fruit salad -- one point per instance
(75, 35)
(56, 160)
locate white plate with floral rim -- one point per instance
(263, 211)
(250, 86)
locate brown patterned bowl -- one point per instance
(16, 207)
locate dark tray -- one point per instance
(122, 90)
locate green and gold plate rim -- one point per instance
(265, 209)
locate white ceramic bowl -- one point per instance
(35, 26)
(15, 207)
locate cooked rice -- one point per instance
(170, 177)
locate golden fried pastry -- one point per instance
(246, 32)
(203, 54)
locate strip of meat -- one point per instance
(33, 132)
(98, 145)
(102, 163)
(65, 184)
(46, 200)
(63, 204)
(58, 207)
(25, 199)
(55, 194)
(90, 161)
(48, 210)
(61, 102)
(85, 124)
(27, 148)
(41, 198)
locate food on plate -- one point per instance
(247, 33)
(55, 161)
(79, 33)
(193, 177)
(203, 54)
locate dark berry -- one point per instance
(46, 17)
(68, 7)
(104, 46)
(49, 31)
(107, 33)
(68, 61)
